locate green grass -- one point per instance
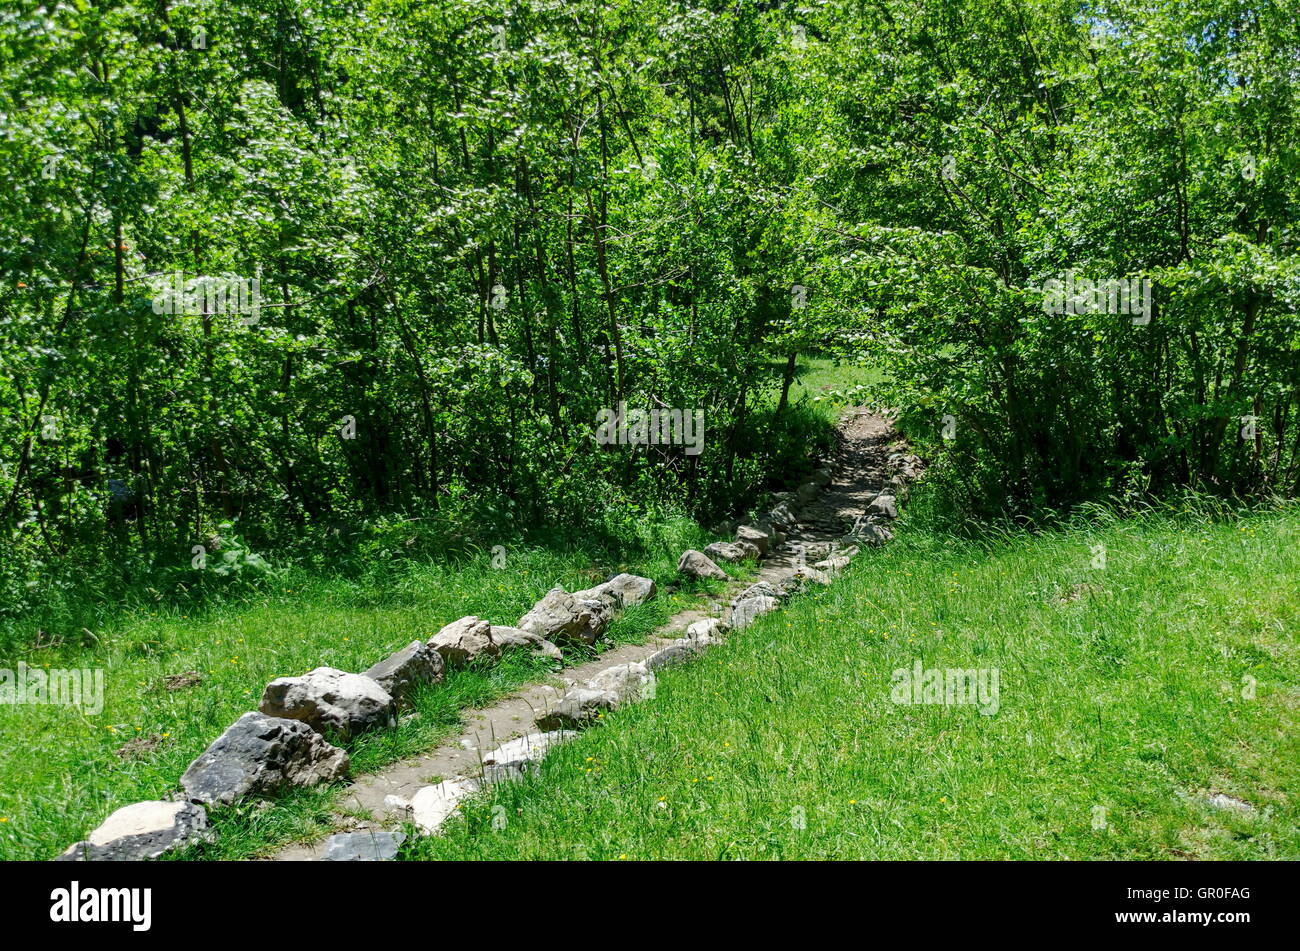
(61, 772)
(1123, 697)
(828, 384)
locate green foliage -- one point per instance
(476, 225)
(472, 226)
(976, 152)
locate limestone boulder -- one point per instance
(464, 641)
(620, 592)
(330, 700)
(696, 564)
(400, 673)
(561, 616)
(142, 830)
(261, 755)
(731, 551)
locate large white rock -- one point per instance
(464, 641)
(330, 699)
(708, 629)
(561, 616)
(627, 682)
(142, 830)
(515, 758)
(609, 689)
(529, 748)
(747, 611)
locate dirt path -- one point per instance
(861, 470)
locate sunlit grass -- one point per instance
(1128, 695)
(62, 771)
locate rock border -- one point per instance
(286, 742)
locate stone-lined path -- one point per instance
(862, 470)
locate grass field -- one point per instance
(62, 772)
(1127, 696)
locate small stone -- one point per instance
(432, 805)
(397, 806)
(376, 846)
(1220, 801)
(142, 830)
(399, 674)
(696, 564)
